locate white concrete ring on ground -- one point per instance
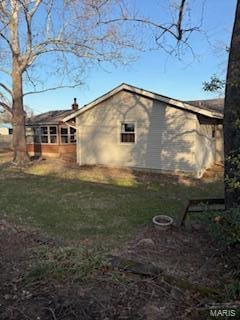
(167, 223)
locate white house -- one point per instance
(5, 135)
(5, 129)
(132, 127)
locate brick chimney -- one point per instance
(75, 105)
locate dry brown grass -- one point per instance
(112, 175)
(119, 176)
(5, 156)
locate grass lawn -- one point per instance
(93, 204)
(59, 224)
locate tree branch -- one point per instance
(62, 45)
(37, 4)
(7, 40)
(180, 19)
(7, 72)
(3, 9)
(53, 88)
(6, 88)
(144, 21)
(28, 18)
(6, 107)
(174, 29)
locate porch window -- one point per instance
(127, 132)
(36, 135)
(53, 134)
(72, 135)
(30, 135)
(45, 134)
(68, 135)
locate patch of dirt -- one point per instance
(21, 300)
(216, 171)
(109, 293)
(190, 255)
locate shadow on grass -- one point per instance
(63, 205)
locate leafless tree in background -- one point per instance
(60, 37)
(41, 39)
(179, 32)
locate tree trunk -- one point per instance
(18, 118)
(232, 119)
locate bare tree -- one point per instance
(64, 37)
(171, 35)
(181, 34)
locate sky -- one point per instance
(155, 70)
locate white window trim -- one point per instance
(48, 135)
(68, 135)
(119, 132)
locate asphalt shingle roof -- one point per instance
(210, 104)
(50, 117)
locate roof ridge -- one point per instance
(151, 95)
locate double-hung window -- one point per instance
(128, 131)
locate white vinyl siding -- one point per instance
(219, 144)
(205, 151)
(165, 136)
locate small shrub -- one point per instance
(225, 226)
(233, 290)
(225, 229)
